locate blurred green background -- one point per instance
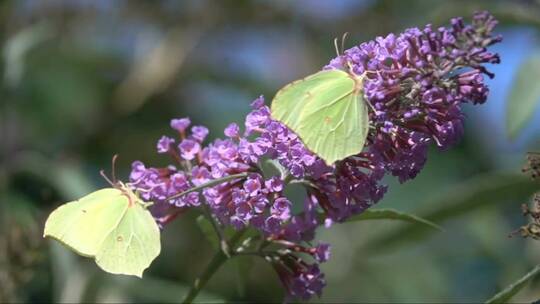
(83, 80)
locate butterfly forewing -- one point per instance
(83, 225)
(292, 99)
(327, 112)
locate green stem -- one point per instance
(304, 182)
(224, 245)
(217, 261)
(211, 183)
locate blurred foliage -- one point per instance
(505, 295)
(391, 214)
(525, 95)
(83, 80)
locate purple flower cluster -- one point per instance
(415, 84)
(301, 280)
(253, 200)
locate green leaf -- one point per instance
(328, 112)
(524, 96)
(110, 225)
(478, 192)
(391, 214)
(208, 231)
(510, 291)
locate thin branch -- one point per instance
(224, 245)
(304, 182)
(211, 183)
(217, 261)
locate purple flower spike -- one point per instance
(437, 70)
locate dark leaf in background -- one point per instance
(524, 96)
(484, 191)
(391, 214)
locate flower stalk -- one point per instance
(219, 258)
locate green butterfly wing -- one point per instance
(131, 246)
(83, 225)
(327, 111)
(123, 238)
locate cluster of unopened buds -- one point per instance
(533, 165)
(532, 229)
(416, 83)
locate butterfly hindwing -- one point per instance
(131, 246)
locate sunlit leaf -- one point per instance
(510, 291)
(524, 97)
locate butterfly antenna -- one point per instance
(343, 39)
(345, 62)
(336, 47)
(102, 173)
(113, 168)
